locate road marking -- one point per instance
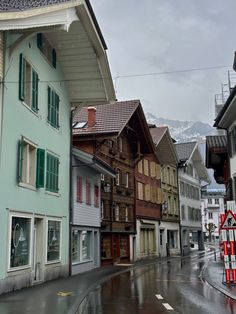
(159, 297)
(167, 306)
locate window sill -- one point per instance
(82, 262)
(52, 193)
(17, 269)
(30, 109)
(56, 129)
(53, 262)
(27, 186)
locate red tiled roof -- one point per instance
(110, 118)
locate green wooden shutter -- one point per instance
(54, 58)
(34, 91)
(57, 175)
(40, 41)
(57, 110)
(22, 78)
(53, 109)
(49, 103)
(40, 168)
(20, 160)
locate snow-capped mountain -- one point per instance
(183, 131)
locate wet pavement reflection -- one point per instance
(148, 289)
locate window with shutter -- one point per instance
(153, 169)
(140, 166)
(140, 191)
(53, 108)
(88, 192)
(79, 189)
(96, 196)
(158, 172)
(52, 173)
(28, 84)
(47, 50)
(147, 192)
(40, 168)
(26, 162)
(145, 165)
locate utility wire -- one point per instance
(129, 75)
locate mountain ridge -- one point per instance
(183, 131)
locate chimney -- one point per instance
(91, 116)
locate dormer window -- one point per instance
(47, 50)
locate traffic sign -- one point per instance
(229, 221)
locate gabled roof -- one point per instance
(72, 29)
(185, 150)
(190, 151)
(94, 162)
(157, 133)
(110, 118)
(166, 151)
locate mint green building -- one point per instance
(52, 58)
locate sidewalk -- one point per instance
(213, 274)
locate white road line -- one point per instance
(159, 297)
(167, 306)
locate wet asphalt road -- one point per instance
(168, 287)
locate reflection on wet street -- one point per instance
(169, 286)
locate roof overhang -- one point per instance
(94, 162)
(200, 167)
(227, 115)
(81, 52)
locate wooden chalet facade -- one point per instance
(148, 205)
(115, 133)
(170, 222)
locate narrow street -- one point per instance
(170, 286)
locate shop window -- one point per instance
(81, 245)
(53, 241)
(20, 241)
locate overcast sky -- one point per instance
(154, 36)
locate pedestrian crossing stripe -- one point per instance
(229, 221)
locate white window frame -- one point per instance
(26, 183)
(91, 256)
(19, 215)
(46, 246)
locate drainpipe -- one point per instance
(70, 191)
